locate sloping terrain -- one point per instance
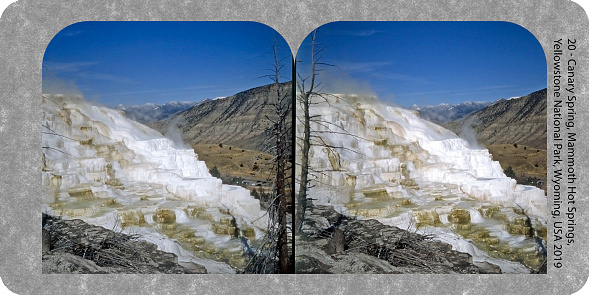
(241, 120)
(514, 121)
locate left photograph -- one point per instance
(166, 148)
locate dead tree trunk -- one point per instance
(272, 256)
(304, 100)
(279, 190)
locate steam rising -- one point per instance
(174, 134)
(343, 83)
(469, 135)
(55, 85)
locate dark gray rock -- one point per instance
(372, 247)
(46, 240)
(77, 247)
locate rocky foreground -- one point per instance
(337, 244)
(73, 246)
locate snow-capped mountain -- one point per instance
(449, 112)
(108, 170)
(151, 112)
(389, 164)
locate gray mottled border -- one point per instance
(27, 26)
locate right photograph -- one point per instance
(421, 148)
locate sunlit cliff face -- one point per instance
(390, 165)
(114, 172)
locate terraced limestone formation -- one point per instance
(107, 170)
(390, 165)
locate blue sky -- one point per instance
(158, 62)
(428, 63)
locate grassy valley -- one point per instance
(233, 161)
(248, 168)
(528, 163)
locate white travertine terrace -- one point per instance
(388, 154)
(93, 153)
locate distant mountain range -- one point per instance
(518, 120)
(241, 120)
(150, 112)
(444, 112)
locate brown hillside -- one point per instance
(521, 121)
(241, 120)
